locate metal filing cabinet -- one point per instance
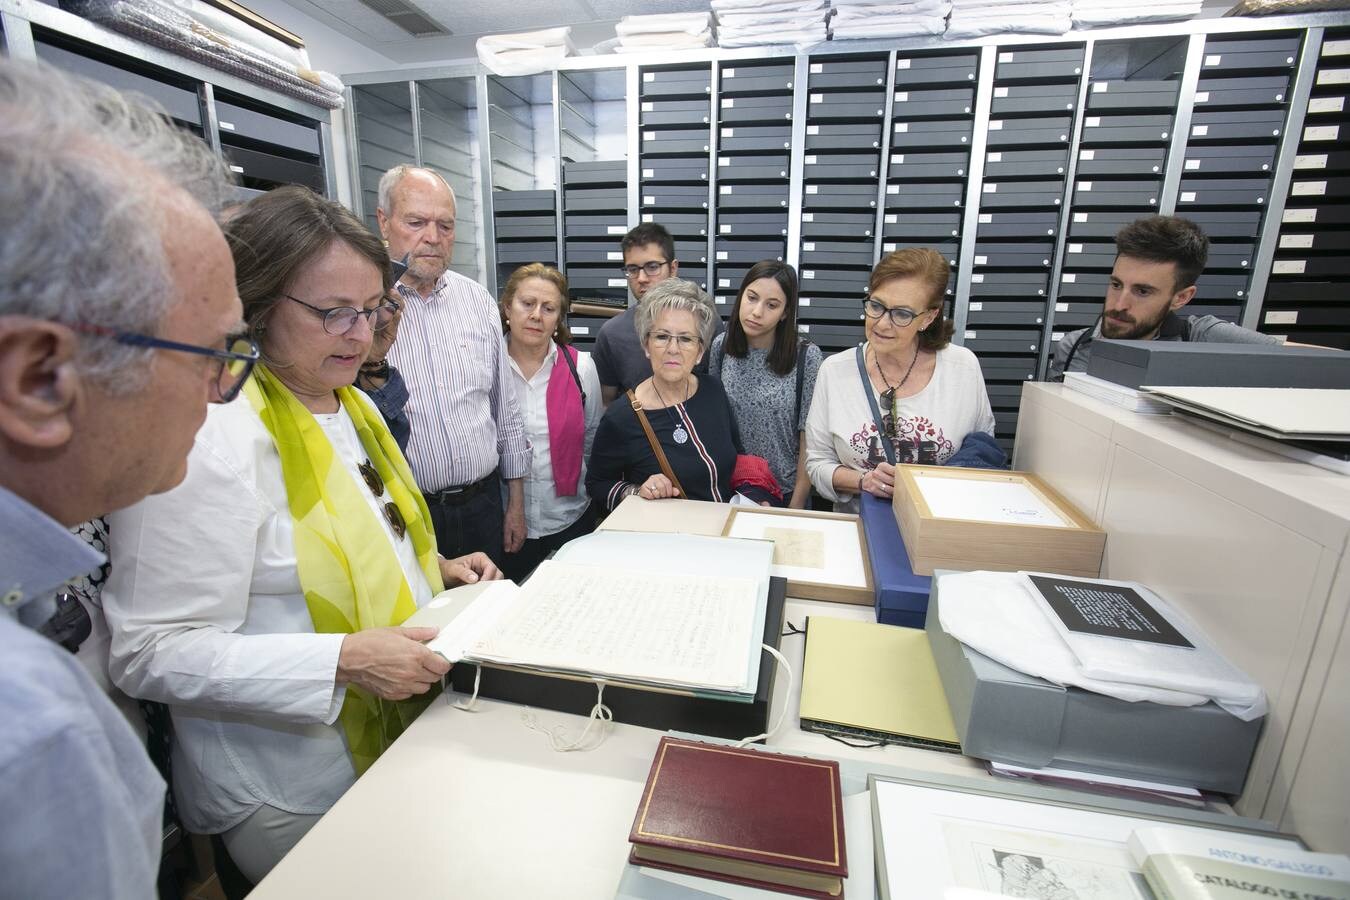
(1306, 296)
(753, 172)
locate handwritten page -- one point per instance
(980, 500)
(683, 630)
(453, 639)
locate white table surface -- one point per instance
(478, 805)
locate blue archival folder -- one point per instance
(902, 596)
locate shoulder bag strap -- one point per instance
(566, 352)
(886, 445)
(666, 470)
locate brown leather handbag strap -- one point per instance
(666, 470)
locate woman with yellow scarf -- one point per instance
(261, 599)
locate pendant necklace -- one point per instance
(679, 434)
(888, 396)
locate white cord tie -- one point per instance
(599, 713)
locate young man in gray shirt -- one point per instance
(1158, 260)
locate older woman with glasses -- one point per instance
(674, 414)
(906, 395)
(261, 598)
(559, 397)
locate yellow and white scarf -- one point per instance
(349, 573)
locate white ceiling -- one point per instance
(467, 20)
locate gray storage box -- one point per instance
(1183, 364)
(1005, 715)
(924, 71)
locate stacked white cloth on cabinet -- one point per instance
(664, 31)
(526, 52)
(744, 23)
(998, 614)
(975, 18)
(1094, 13)
(888, 18)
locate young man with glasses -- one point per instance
(118, 326)
(648, 260)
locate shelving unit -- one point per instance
(267, 138)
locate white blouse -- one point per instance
(206, 614)
(545, 512)
(841, 430)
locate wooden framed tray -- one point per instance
(822, 555)
(956, 518)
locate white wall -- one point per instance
(329, 50)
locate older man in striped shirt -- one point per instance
(467, 433)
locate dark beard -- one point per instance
(1134, 330)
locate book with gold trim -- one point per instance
(767, 820)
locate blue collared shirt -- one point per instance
(81, 804)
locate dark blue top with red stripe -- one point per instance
(622, 457)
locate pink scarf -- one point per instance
(566, 425)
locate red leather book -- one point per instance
(763, 819)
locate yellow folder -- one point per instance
(865, 680)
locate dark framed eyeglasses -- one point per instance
(652, 268)
(901, 316)
(236, 359)
(341, 319)
(391, 511)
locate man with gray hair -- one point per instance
(468, 436)
(117, 311)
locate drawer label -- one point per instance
(1333, 76)
(1000, 92)
(809, 273)
(649, 135)
(722, 254)
(996, 125)
(815, 188)
(228, 126)
(818, 69)
(977, 278)
(618, 282)
(1200, 131)
(1061, 307)
(614, 255)
(1299, 216)
(1075, 248)
(1213, 59)
(648, 107)
(892, 218)
(1202, 97)
(1289, 267)
(724, 229)
(648, 201)
(728, 132)
(976, 307)
(1099, 87)
(813, 129)
(648, 173)
(1092, 122)
(617, 229)
(1188, 196)
(809, 246)
(1321, 132)
(900, 96)
(899, 64)
(1192, 165)
(892, 188)
(648, 76)
(1068, 278)
(1308, 189)
(805, 301)
(1336, 48)
(817, 98)
(1296, 241)
(1005, 57)
(971, 335)
(981, 260)
(986, 218)
(1080, 217)
(648, 217)
(1085, 185)
(808, 217)
(728, 102)
(580, 329)
(900, 127)
(724, 282)
(991, 188)
(1310, 161)
(1326, 105)
(1282, 317)
(1088, 155)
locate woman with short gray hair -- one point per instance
(675, 435)
(676, 294)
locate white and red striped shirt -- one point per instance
(462, 405)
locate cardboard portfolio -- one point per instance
(1007, 716)
(966, 519)
(1183, 364)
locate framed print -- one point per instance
(822, 555)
